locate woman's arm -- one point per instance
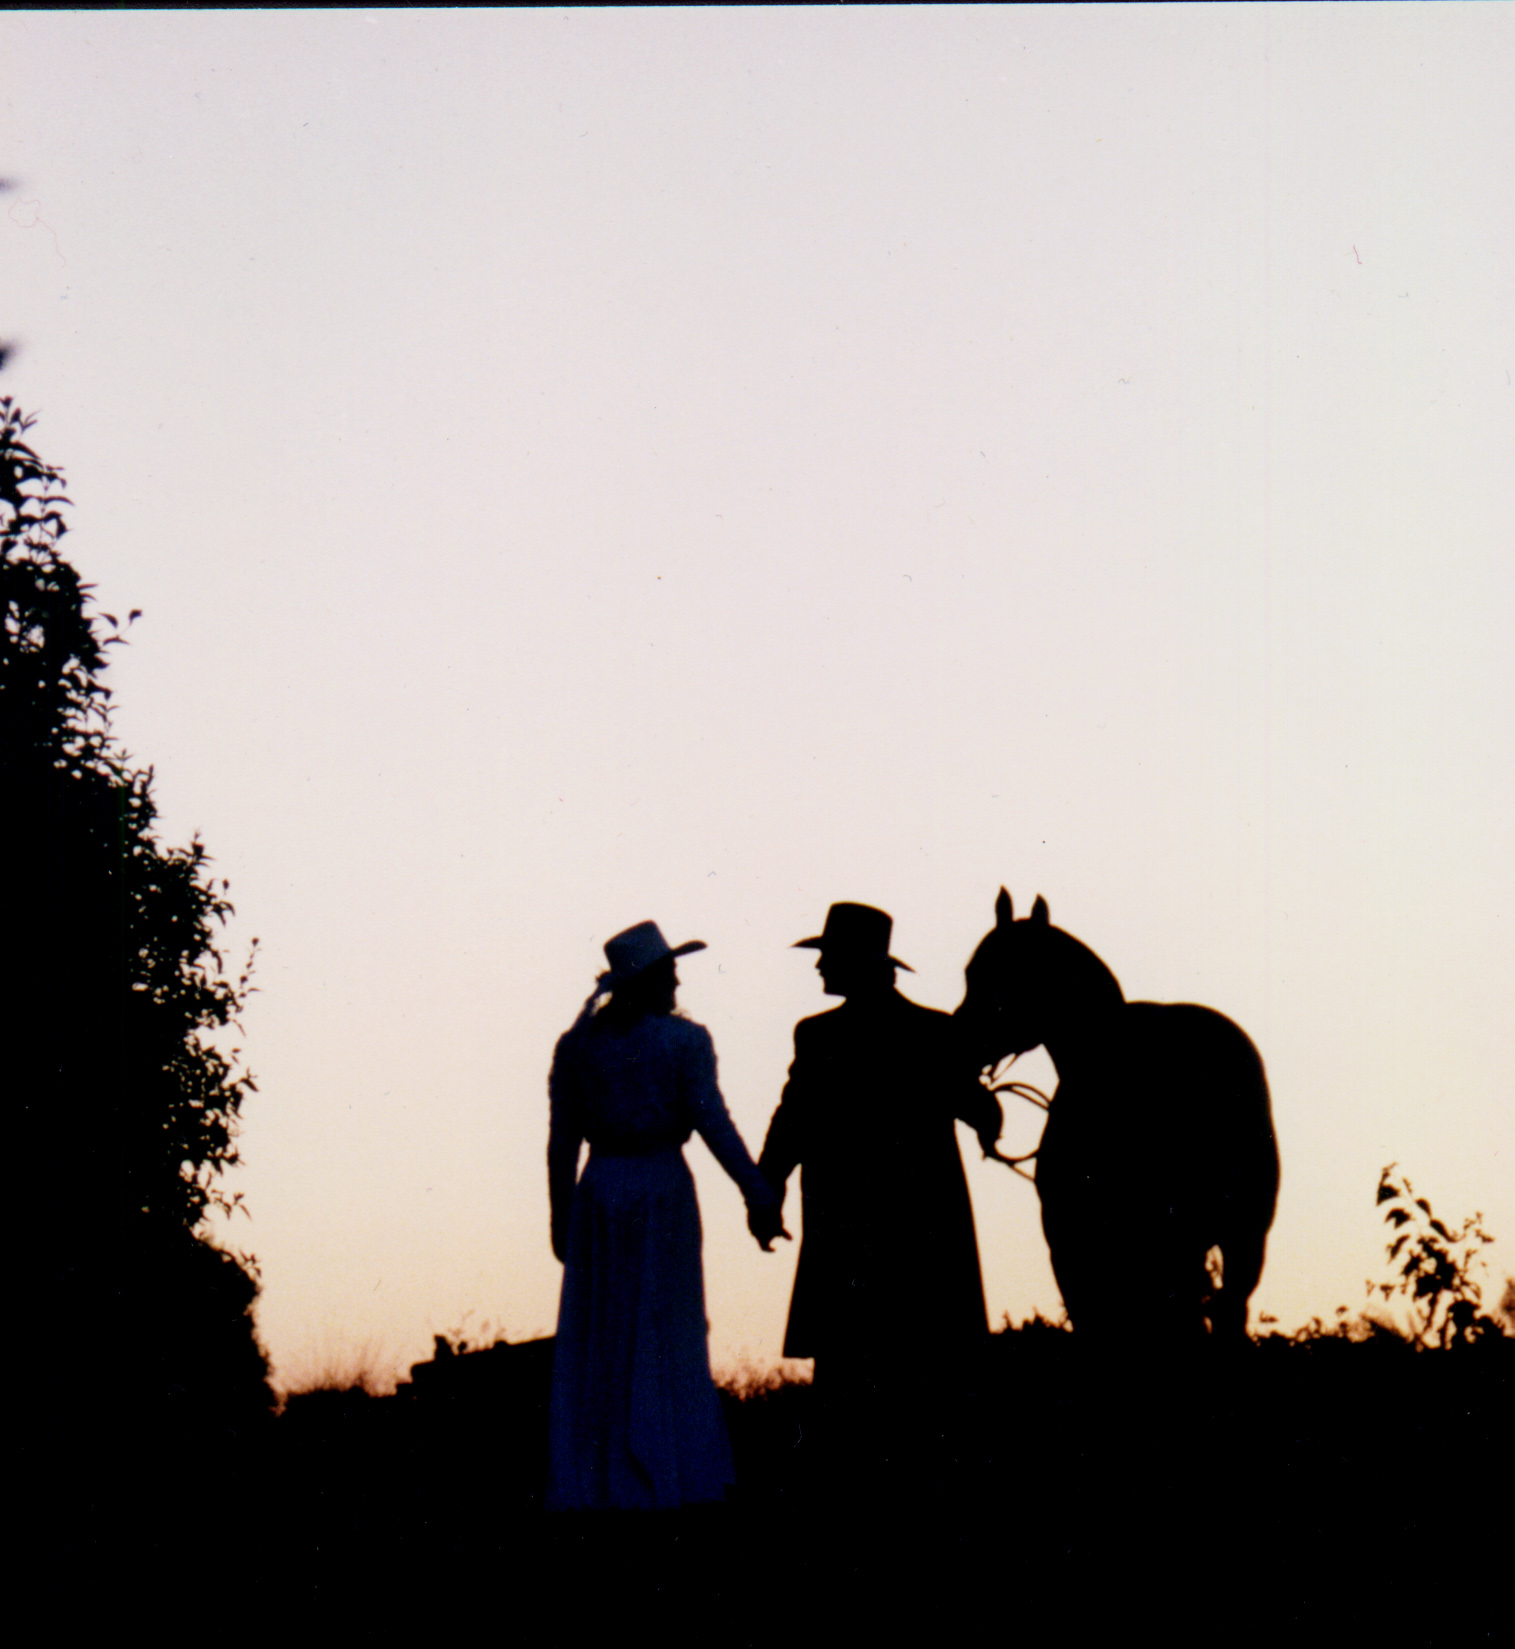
(712, 1121)
(565, 1135)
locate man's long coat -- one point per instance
(889, 1258)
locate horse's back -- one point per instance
(1188, 1030)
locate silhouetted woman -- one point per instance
(635, 1419)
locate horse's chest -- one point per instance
(1095, 1146)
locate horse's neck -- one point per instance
(1083, 1048)
(1088, 1016)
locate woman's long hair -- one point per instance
(621, 1004)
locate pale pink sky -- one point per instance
(700, 464)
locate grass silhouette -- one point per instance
(1332, 1480)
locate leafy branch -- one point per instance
(1433, 1268)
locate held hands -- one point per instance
(765, 1220)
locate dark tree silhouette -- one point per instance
(122, 1102)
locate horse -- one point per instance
(1157, 1169)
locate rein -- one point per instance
(1022, 1090)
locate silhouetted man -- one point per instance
(888, 1270)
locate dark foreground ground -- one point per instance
(1317, 1491)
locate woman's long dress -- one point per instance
(635, 1418)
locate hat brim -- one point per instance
(818, 943)
(619, 976)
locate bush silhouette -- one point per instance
(123, 1097)
(1434, 1268)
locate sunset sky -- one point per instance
(582, 466)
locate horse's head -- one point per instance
(1004, 1010)
(1027, 982)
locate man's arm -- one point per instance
(972, 1102)
(784, 1148)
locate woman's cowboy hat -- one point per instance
(635, 950)
(855, 930)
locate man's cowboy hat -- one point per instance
(855, 930)
(635, 950)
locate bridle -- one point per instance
(1022, 1090)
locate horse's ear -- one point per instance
(1039, 912)
(1004, 911)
